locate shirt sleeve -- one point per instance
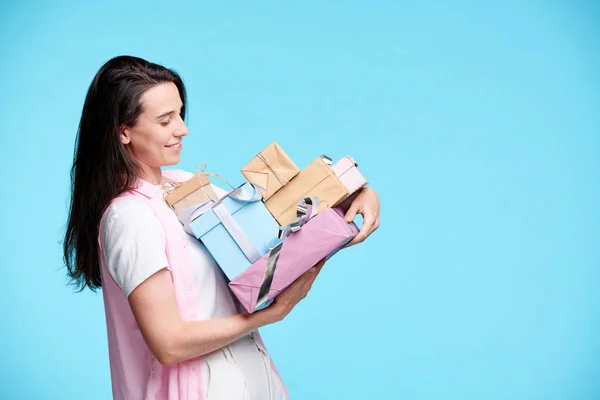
(133, 243)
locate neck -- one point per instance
(152, 175)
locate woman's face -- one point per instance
(155, 140)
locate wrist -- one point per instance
(260, 318)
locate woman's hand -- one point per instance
(292, 295)
(172, 340)
(365, 203)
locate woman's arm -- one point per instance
(172, 340)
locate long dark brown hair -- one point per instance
(102, 168)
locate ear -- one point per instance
(125, 134)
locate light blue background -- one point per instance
(479, 126)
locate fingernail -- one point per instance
(313, 269)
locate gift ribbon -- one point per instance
(327, 160)
(265, 159)
(307, 209)
(189, 214)
(236, 232)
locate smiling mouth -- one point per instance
(173, 145)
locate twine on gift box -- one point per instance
(265, 159)
(168, 185)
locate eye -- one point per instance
(165, 123)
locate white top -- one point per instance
(133, 243)
(134, 249)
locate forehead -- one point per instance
(161, 98)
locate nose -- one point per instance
(182, 129)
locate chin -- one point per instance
(171, 161)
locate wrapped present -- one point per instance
(196, 190)
(237, 230)
(347, 171)
(319, 238)
(270, 170)
(317, 179)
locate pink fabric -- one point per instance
(346, 170)
(319, 238)
(135, 372)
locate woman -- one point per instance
(118, 237)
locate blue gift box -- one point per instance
(237, 230)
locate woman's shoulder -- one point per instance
(128, 212)
(132, 242)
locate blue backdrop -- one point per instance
(479, 126)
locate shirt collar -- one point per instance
(146, 188)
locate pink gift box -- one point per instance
(346, 170)
(319, 238)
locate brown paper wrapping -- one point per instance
(193, 191)
(317, 179)
(271, 169)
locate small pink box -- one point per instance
(346, 170)
(319, 238)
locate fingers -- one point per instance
(367, 228)
(298, 284)
(308, 284)
(366, 204)
(315, 269)
(352, 211)
(310, 276)
(300, 287)
(376, 225)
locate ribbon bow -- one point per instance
(189, 214)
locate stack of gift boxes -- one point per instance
(267, 232)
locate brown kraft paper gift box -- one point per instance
(270, 169)
(317, 179)
(194, 191)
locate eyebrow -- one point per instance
(168, 113)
